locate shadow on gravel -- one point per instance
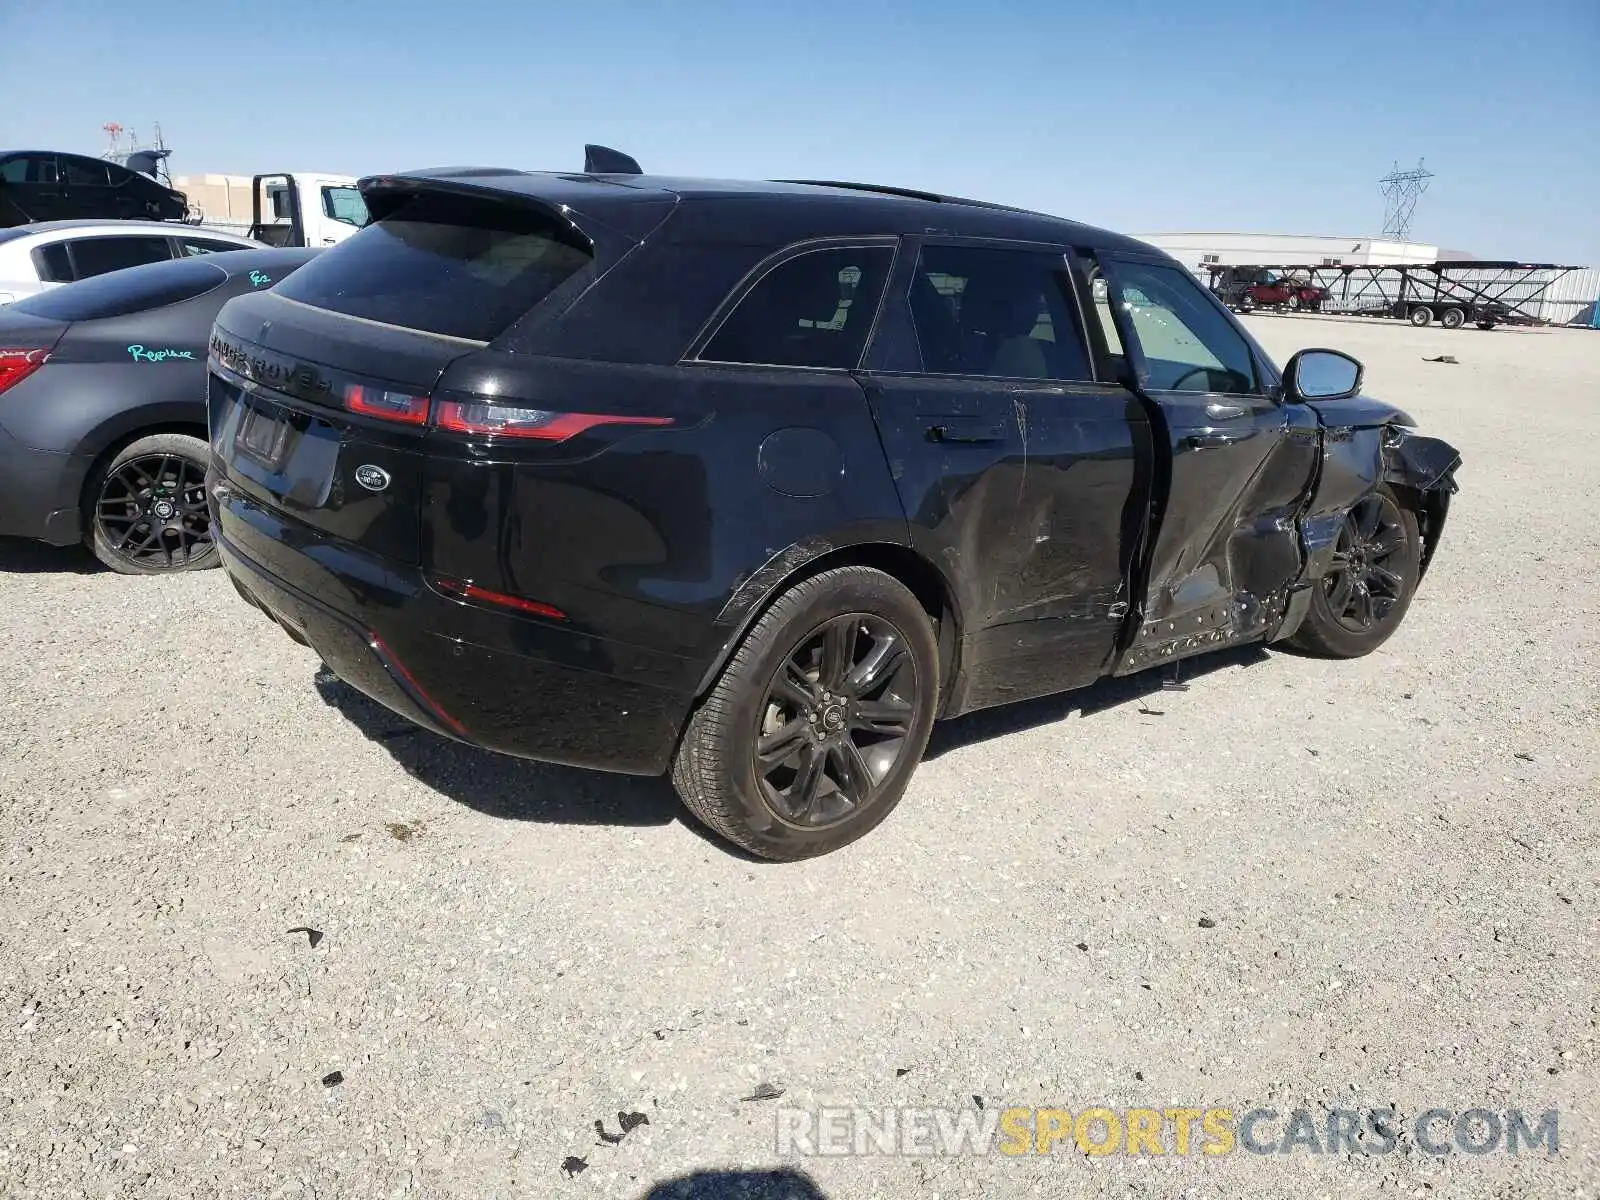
(498, 785)
(18, 556)
(515, 789)
(1108, 693)
(779, 1184)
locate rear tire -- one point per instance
(778, 758)
(145, 511)
(1421, 315)
(1294, 303)
(1453, 318)
(1360, 601)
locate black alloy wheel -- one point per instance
(835, 719)
(148, 513)
(1361, 585)
(1367, 587)
(811, 731)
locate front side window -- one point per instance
(96, 256)
(1188, 344)
(812, 310)
(1005, 313)
(14, 170)
(344, 204)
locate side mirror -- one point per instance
(1322, 375)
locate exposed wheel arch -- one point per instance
(120, 443)
(919, 576)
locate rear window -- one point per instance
(442, 264)
(137, 289)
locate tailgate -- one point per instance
(320, 389)
(302, 430)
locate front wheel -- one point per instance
(146, 509)
(810, 735)
(1294, 303)
(1453, 318)
(1363, 596)
(1421, 315)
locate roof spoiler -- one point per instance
(602, 160)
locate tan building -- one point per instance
(220, 199)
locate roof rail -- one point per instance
(602, 160)
(908, 193)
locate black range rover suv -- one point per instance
(753, 481)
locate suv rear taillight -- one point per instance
(505, 421)
(17, 364)
(482, 420)
(389, 406)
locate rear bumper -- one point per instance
(504, 682)
(39, 491)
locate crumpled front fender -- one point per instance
(1426, 468)
(1356, 460)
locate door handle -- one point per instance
(1224, 412)
(1209, 441)
(966, 431)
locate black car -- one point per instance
(102, 408)
(754, 481)
(43, 185)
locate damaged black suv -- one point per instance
(753, 482)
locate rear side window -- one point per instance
(96, 256)
(29, 168)
(1005, 313)
(812, 310)
(442, 264)
(115, 295)
(53, 263)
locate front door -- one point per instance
(1019, 472)
(1238, 465)
(33, 188)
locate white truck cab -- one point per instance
(305, 209)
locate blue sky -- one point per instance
(1139, 116)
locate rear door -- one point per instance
(1235, 469)
(1019, 469)
(320, 389)
(86, 184)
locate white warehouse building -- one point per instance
(1570, 298)
(1197, 251)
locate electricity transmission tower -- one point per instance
(1400, 192)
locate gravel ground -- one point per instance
(264, 940)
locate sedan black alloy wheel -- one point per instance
(1361, 584)
(152, 511)
(835, 719)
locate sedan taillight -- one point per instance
(16, 364)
